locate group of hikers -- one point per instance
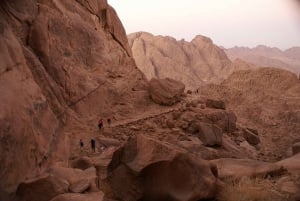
(92, 141)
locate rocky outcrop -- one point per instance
(44, 188)
(59, 59)
(166, 91)
(192, 63)
(266, 99)
(153, 170)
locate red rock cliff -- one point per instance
(58, 60)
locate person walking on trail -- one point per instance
(100, 124)
(81, 144)
(108, 122)
(93, 145)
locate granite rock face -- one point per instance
(193, 63)
(58, 60)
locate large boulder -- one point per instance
(146, 169)
(102, 161)
(238, 168)
(210, 134)
(43, 188)
(79, 180)
(166, 91)
(292, 164)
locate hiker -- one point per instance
(93, 145)
(108, 122)
(100, 124)
(81, 144)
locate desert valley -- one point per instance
(180, 120)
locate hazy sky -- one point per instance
(227, 22)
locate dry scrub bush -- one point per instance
(249, 190)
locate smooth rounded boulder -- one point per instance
(166, 91)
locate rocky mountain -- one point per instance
(193, 63)
(59, 61)
(65, 64)
(268, 57)
(267, 99)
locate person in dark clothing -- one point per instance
(81, 144)
(108, 122)
(93, 145)
(100, 124)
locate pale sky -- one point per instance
(229, 23)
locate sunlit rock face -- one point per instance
(58, 59)
(193, 63)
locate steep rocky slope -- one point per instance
(59, 60)
(193, 62)
(268, 57)
(267, 99)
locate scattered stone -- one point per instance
(192, 144)
(251, 137)
(217, 104)
(239, 139)
(193, 127)
(225, 120)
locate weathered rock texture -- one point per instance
(266, 99)
(192, 62)
(268, 57)
(58, 59)
(166, 91)
(146, 169)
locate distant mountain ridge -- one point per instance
(194, 63)
(268, 56)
